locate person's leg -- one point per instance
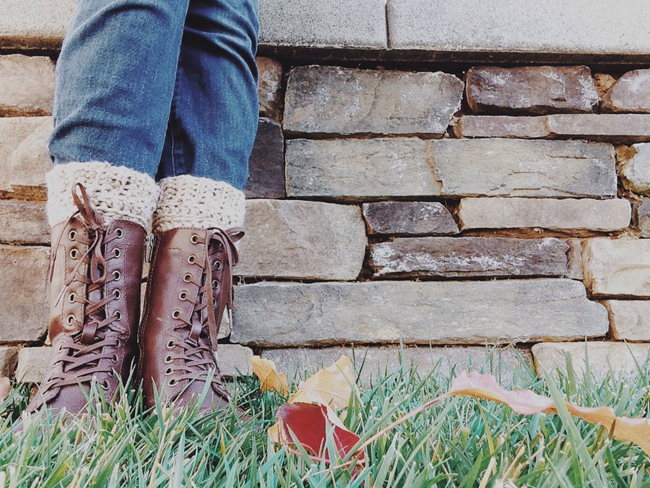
(210, 136)
(115, 80)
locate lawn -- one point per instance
(460, 442)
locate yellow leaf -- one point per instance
(331, 386)
(268, 375)
(274, 433)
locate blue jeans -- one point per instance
(165, 87)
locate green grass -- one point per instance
(460, 442)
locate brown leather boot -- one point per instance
(190, 286)
(94, 308)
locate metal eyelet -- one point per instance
(168, 371)
(118, 344)
(120, 233)
(115, 358)
(173, 382)
(191, 259)
(72, 235)
(105, 385)
(170, 344)
(72, 297)
(182, 295)
(187, 278)
(74, 253)
(215, 285)
(117, 253)
(218, 267)
(117, 275)
(118, 315)
(168, 360)
(117, 294)
(70, 319)
(194, 239)
(176, 314)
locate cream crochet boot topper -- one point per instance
(117, 192)
(190, 201)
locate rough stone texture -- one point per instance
(370, 362)
(603, 83)
(409, 218)
(26, 85)
(38, 24)
(576, 214)
(513, 26)
(619, 357)
(617, 267)
(23, 223)
(269, 87)
(629, 319)
(635, 171)
(530, 90)
(266, 165)
(338, 24)
(615, 128)
(303, 240)
(286, 314)
(8, 360)
(469, 257)
(33, 362)
(360, 168)
(575, 259)
(23, 157)
(476, 126)
(631, 93)
(334, 100)
(643, 215)
(23, 288)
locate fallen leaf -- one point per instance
(309, 424)
(268, 375)
(5, 388)
(331, 386)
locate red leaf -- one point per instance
(309, 424)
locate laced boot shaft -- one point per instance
(190, 287)
(95, 279)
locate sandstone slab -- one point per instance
(302, 240)
(8, 360)
(298, 314)
(575, 259)
(530, 90)
(24, 290)
(333, 100)
(233, 360)
(409, 218)
(269, 87)
(635, 171)
(335, 24)
(456, 257)
(615, 128)
(643, 216)
(503, 126)
(631, 93)
(617, 267)
(630, 319)
(620, 358)
(266, 165)
(410, 167)
(372, 362)
(37, 24)
(23, 223)
(23, 157)
(576, 214)
(26, 85)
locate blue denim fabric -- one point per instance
(165, 87)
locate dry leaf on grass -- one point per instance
(331, 386)
(268, 375)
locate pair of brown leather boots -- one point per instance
(95, 327)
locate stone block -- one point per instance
(24, 291)
(631, 93)
(409, 218)
(372, 362)
(635, 171)
(629, 319)
(334, 100)
(23, 223)
(553, 27)
(503, 126)
(266, 165)
(575, 214)
(26, 85)
(458, 257)
(410, 167)
(617, 267)
(233, 360)
(302, 240)
(575, 259)
(23, 157)
(643, 216)
(8, 360)
(298, 314)
(620, 358)
(530, 90)
(603, 83)
(615, 128)
(269, 87)
(37, 24)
